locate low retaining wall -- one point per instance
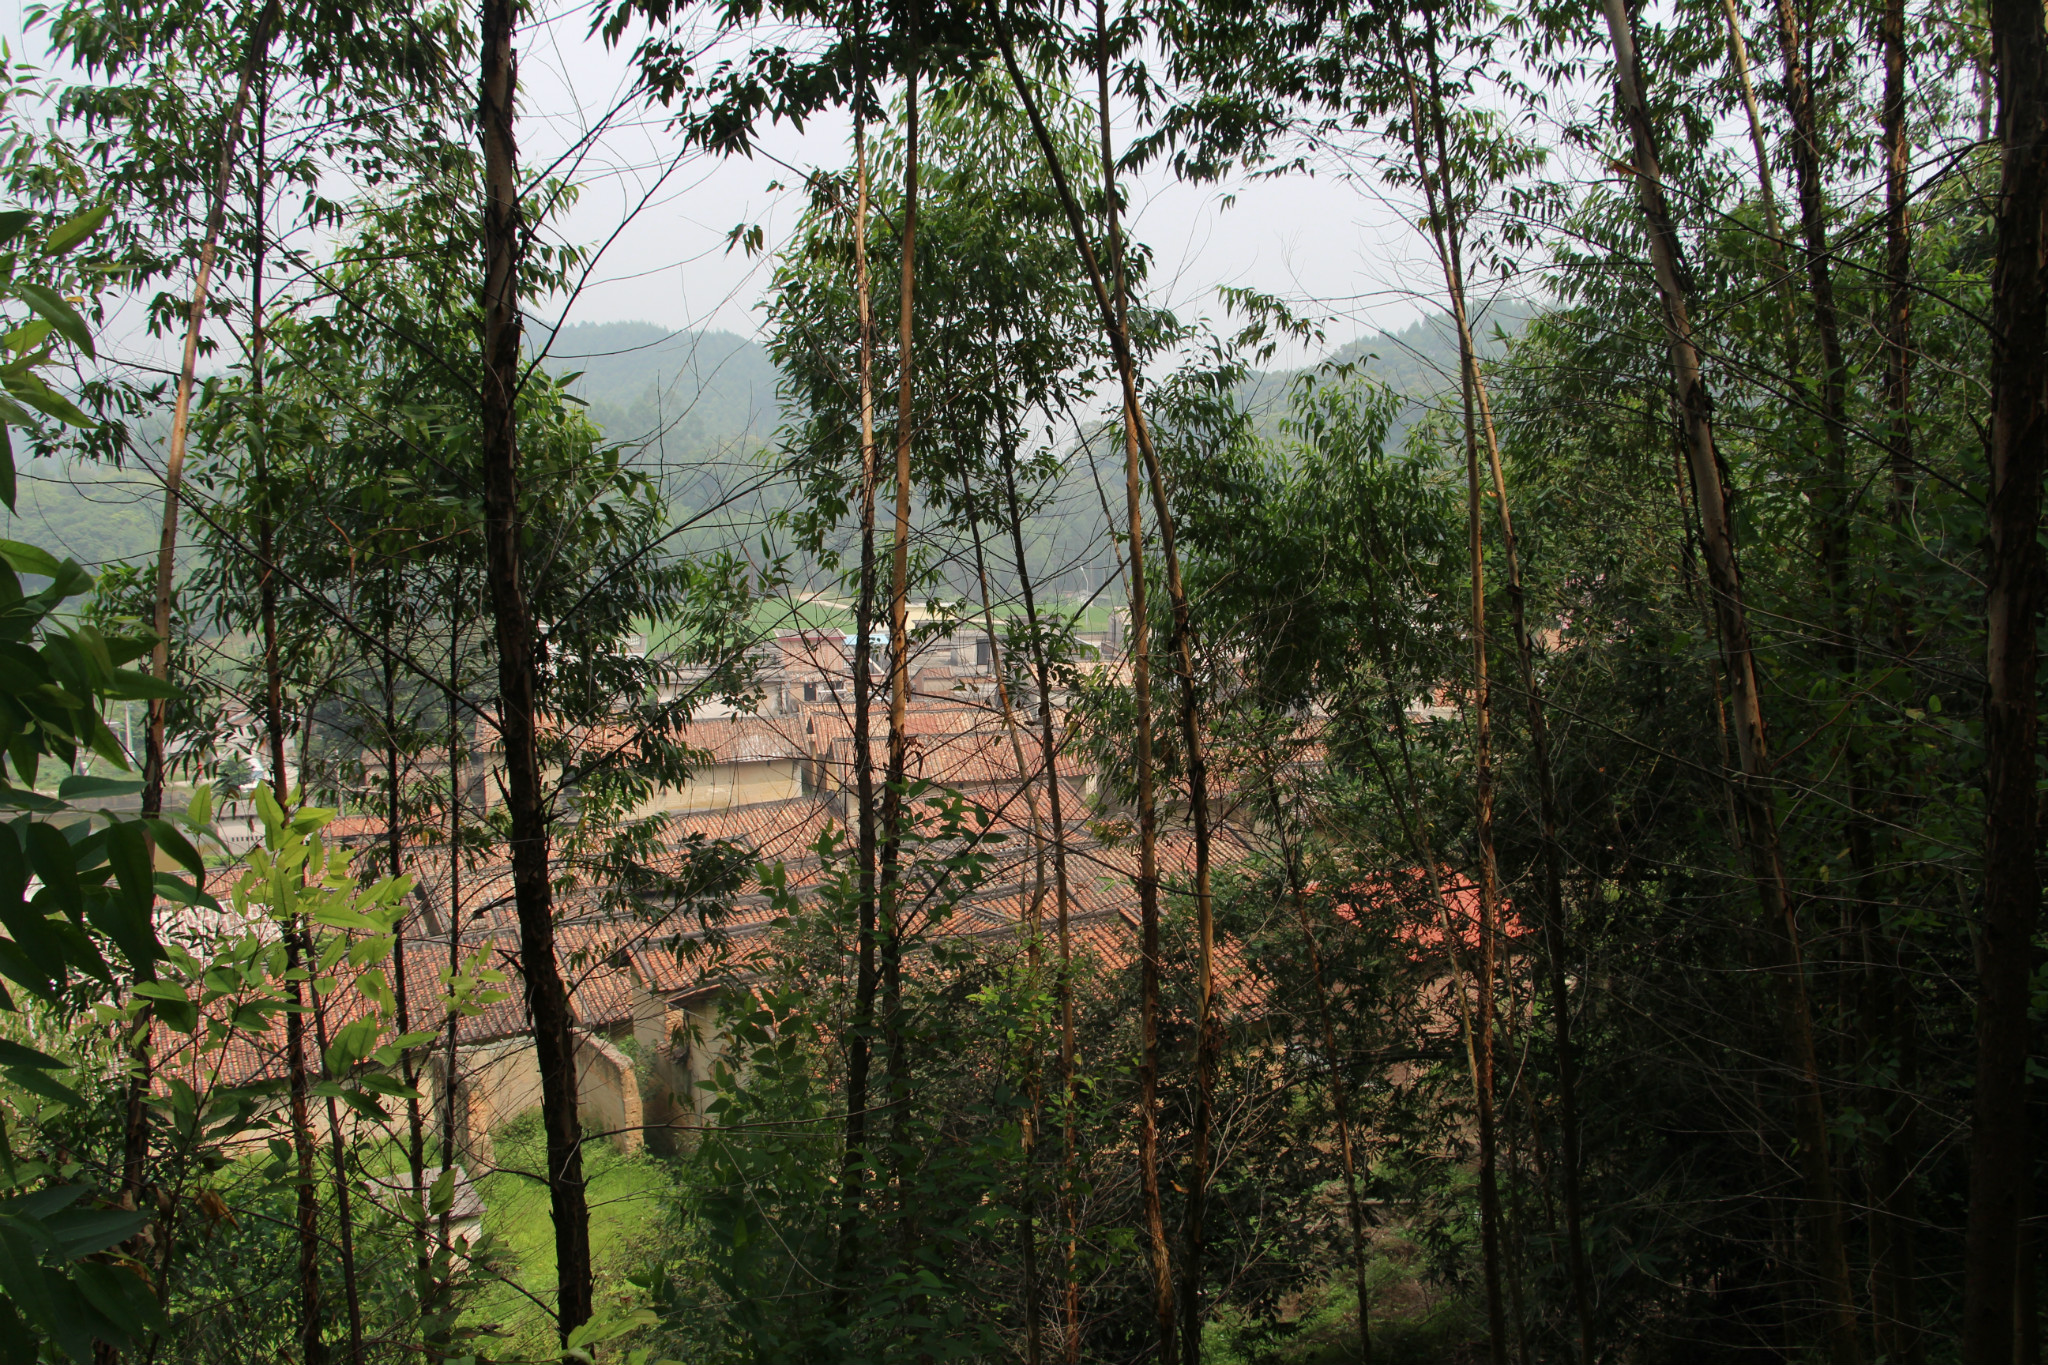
(496, 1082)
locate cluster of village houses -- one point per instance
(648, 982)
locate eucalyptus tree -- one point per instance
(830, 493)
(719, 108)
(1760, 819)
(265, 452)
(153, 117)
(369, 425)
(1328, 567)
(1398, 92)
(862, 48)
(1454, 190)
(1014, 347)
(1998, 1295)
(1249, 102)
(85, 936)
(1008, 347)
(302, 450)
(1111, 294)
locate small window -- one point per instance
(810, 691)
(981, 652)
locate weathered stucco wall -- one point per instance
(497, 1082)
(725, 786)
(682, 1045)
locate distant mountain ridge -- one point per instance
(700, 405)
(695, 390)
(1419, 362)
(681, 391)
(1423, 356)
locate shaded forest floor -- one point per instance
(1413, 1321)
(631, 1197)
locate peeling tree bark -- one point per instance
(894, 1040)
(860, 1037)
(547, 999)
(1049, 750)
(1731, 615)
(2001, 1159)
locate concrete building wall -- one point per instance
(724, 786)
(608, 1093)
(716, 786)
(682, 1045)
(498, 1081)
(708, 1046)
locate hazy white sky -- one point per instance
(1318, 241)
(1302, 238)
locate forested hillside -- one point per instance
(92, 513)
(1009, 816)
(681, 394)
(702, 409)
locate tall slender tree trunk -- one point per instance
(1006, 708)
(1340, 1093)
(1027, 1221)
(1897, 327)
(135, 1117)
(449, 1132)
(344, 1207)
(1109, 299)
(1556, 928)
(1207, 1037)
(2001, 1157)
(1115, 310)
(860, 1037)
(1738, 660)
(259, 452)
(300, 968)
(1437, 191)
(1895, 1310)
(306, 1210)
(893, 813)
(1049, 751)
(401, 977)
(1445, 229)
(1148, 912)
(1738, 52)
(306, 1220)
(1435, 875)
(1813, 231)
(547, 999)
(1836, 487)
(181, 412)
(1482, 775)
